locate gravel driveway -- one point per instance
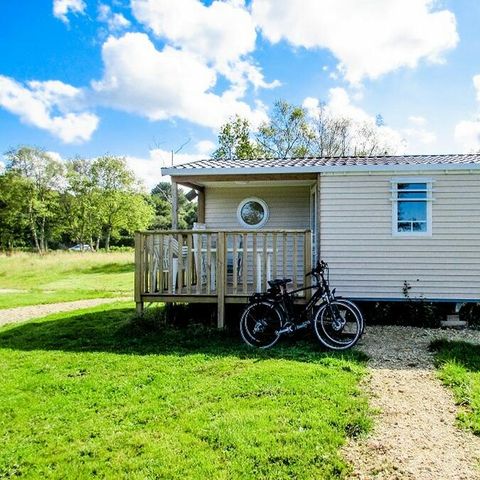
(21, 314)
(415, 436)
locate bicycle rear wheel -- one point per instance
(337, 325)
(260, 323)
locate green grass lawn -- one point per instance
(31, 279)
(459, 368)
(100, 394)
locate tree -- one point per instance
(332, 136)
(234, 141)
(13, 214)
(162, 200)
(118, 197)
(291, 132)
(287, 133)
(44, 180)
(82, 215)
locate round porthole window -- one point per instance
(252, 213)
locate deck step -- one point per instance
(453, 321)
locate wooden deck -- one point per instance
(196, 266)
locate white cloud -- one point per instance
(163, 84)
(222, 35)
(340, 105)
(368, 38)
(476, 84)
(418, 135)
(221, 32)
(149, 169)
(51, 106)
(417, 120)
(467, 132)
(205, 147)
(467, 135)
(114, 21)
(61, 8)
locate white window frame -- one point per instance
(395, 200)
(265, 208)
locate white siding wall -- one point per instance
(289, 208)
(367, 261)
(288, 205)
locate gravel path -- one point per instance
(415, 436)
(21, 314)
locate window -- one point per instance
(252, 213)
(412, 207)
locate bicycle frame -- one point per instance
(286, 303)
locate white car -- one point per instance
(81, 247)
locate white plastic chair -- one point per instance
(164, 262)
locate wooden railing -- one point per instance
(204, 264)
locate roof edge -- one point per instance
(185, 172)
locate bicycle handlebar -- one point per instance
(318, 269)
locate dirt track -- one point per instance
(415, 436)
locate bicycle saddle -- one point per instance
(279, 282)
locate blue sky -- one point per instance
(140, 77)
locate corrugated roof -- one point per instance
(377, 161)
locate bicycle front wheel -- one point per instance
(337, 325)
(260, 324)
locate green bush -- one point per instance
(116, 248)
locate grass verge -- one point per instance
(459, 369)
(32, 279)
(98, 393)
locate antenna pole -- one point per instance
(179, 148)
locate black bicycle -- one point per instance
(337, 322)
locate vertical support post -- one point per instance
(274, 248)
(209, 263)
(318, 223)
(180, 263)
(256, 283)
(174, 205)
(201, 206)
(307, 262)
(221, 280)
(235, 264)
(295, 260)
(264, 263)
(244, 262)
(138, 273)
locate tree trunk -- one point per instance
(107, 239)
(97, 246)
(33, 228)
(42, 236)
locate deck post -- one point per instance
(221, 280)
(318, 224)
(201, 206)
(138, 273)
(307, 246)
(174, 205)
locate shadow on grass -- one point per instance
(464, 353)
(112, 268)
(120, 331)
